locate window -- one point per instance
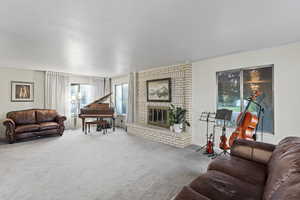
(229, 93)
(80, 97)
(121, 98)
(235, 86)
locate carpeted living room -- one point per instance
(149, 100)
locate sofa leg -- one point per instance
(61, 130)
(60, 133)
(11, 141)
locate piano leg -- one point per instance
(83, 124)
(98, 126)
(113, 123)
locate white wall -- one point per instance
(6, 76)
(286, 60)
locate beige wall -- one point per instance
(286, 60)
(6, 76)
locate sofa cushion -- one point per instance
(248, 171)
(284, 171)
(188, 193)
(252, 150)
(23, 117)
(27, 128)
(48, 125)
(218, 185)
(45, 115)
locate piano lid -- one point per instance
(98, 101)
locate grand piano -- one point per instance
(98, 109)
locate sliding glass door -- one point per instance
(235, 86)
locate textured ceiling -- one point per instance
(112, 37)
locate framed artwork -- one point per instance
(159, 90)
(22, 91)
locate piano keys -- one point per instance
(98, 110)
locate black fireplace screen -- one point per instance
(158, 116)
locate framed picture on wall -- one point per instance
(159, 90)
(22, 91)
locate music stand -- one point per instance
(224, 114)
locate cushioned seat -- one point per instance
(45, 116)
(246, 170)
(217, 185)
(48, 125)
(27, 128)
(23, 118)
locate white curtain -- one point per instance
(97, 87)
(131, 98)
(57, 94)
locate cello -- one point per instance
(246, 123)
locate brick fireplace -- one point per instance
(151, 118)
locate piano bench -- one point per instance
(103, 124)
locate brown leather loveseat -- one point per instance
(33, 122)
(254, 170)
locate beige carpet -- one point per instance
(90, 167)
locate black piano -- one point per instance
(98, 110)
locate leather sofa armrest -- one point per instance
(251, 150)
(9, 123)
(60, 119)
(10, 130)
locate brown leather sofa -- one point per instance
(33, 122)
(254, 170)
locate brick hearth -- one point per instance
(159, 134)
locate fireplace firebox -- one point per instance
(158, 116)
